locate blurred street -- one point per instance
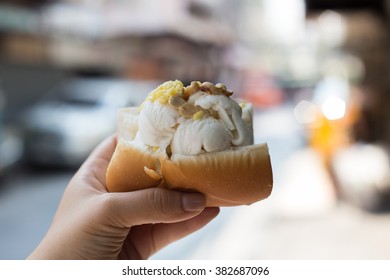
(28, 201)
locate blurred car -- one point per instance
(64, 127)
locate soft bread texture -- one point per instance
(232, 177)
(126, 170)
(236, 176)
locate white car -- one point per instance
(75, 117)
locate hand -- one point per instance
(92, 223)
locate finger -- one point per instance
(96, 164)
(165, 234)
(154, 205)
(104, 150)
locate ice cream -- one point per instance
(202, 117)
(192, 138)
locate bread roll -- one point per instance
(237, 175)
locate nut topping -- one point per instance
(187, 110)
(176, 101)
(191, 89)
(221, 86)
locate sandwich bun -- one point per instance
(232, 177)
(239, 175)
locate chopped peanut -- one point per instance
(176, 101)
(187, 110)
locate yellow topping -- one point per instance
(163, 99)
(164, 93)
(165, 90)
(155, 148)
(198, 115)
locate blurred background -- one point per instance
(317, 72)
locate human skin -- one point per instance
(91, 223)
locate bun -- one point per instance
(238, 176)
(232, 177)
(126, 171)
(235, 176)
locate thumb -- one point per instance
(155, 205)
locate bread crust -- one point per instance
(126, 170)
(241, 175)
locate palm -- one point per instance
(91, 223)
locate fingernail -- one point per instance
(193, 202)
